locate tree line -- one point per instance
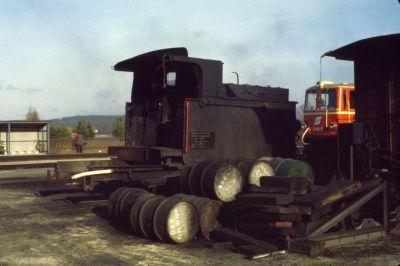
(83, 127)
(87, 129)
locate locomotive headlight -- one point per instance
(259, 169)
(332, 125)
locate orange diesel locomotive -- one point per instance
(326, 106)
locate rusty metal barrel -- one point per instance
(135, 211)
(195, 177)
(184, 178)
(112, 201)
(245, 166)
(125, 203)
(146, 216)
(175, 221)
(262, 167)
(208, 211)
(295, 168)
(222, 181)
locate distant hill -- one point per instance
(103, 123)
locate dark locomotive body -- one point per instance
(181, 111)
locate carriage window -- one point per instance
(328, 100)
(311, 101)
(171, 78)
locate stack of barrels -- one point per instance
(176, 219)
(223, 180)
(167, 219)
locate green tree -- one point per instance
(59, 132)
(85, 128)
(118, 128)
(32, 115)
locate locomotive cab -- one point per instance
(161, 83)
(326, 106)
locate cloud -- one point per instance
(104, 94)
(19, 89)
(12, 88)
(31, 90)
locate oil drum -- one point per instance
(126, 203)
(295, 168)
(245, 166)
(126, 194)
(222, 181)
(275, 161)
(135, 211)
(112, 201)
(195, 177)
(208, 211)
(175, 221)
(184, 178)
(260, 168)
(146, 215)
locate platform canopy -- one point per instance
(23, 124)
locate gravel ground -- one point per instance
(51, 230)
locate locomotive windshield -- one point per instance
(320, 100)
(328, 99)
(311, 101)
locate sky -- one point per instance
(57, 55)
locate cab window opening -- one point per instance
(328, 100)
(311, 101)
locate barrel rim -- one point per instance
(141, 199)
(141, 213)
(156, 221)
(241, 182)
(195, 171)
(114, 201)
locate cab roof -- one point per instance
(385, 45)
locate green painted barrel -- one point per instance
(275, 161)
(295, 168)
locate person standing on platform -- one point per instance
(79, 143)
